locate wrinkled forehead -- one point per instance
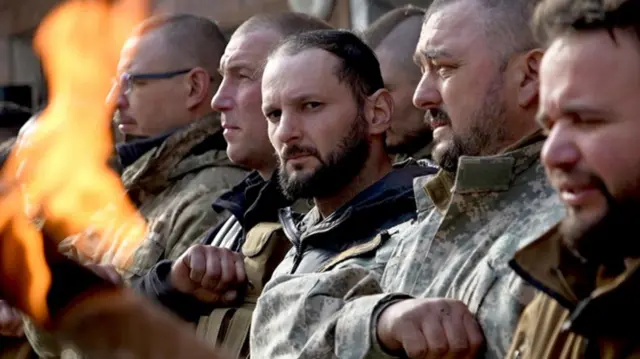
(454, 26)
(250, 48)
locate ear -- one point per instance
(198, 83)
(378, 111)
(528, 79)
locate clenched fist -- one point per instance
(430, 328)
(10, 321)
(211, 274)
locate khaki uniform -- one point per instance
(468, 227)
(581, 312)
(173, 186)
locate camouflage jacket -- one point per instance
(346, 237)
(173, 186)
(467, 229)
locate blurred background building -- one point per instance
(21, 78)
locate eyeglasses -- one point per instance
(127, 80)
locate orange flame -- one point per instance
(60, 166)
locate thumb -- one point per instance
(179, 275)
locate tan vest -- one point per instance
(264, 248)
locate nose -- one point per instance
(286, 130)
(117, 97)
(223, 99)
(427, 94)
(560, 150)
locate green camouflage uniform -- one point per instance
(173, 186)
(467, 230)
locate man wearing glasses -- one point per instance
(167, 76)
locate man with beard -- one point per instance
(587, 267)
(394, 37)
(328, 127)
(449, 269)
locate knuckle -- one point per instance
(439, 349)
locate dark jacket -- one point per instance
(383, 205)
(252, 201)
(581, 311)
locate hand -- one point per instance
(211, 274)
(106, 272)
(430, 328)
(10, 321)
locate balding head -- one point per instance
(284, 23)
(190, 40)
(168, 74)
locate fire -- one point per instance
(60, 167)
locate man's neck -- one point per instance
(375, 168)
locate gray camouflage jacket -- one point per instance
(467, 230)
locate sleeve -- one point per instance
(157, 286)
(319, 315)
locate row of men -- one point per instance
(399, 260)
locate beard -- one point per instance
(487, 129)
(412, 142)
(334, 173)
(609, 240)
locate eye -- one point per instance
(311, 105)
(443, 70)
(274, 115)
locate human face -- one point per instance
(315, 124)
(239, 99)
(149, 107)
(589, 89)
(409, 131)
(461, 86)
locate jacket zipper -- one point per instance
(297, 258)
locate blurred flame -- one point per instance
(60, 165)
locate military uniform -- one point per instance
(468, 227)
(582, 311)
(347, 237)
(173, 185)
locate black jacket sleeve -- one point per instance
(156, 286)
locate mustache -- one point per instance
(296, 150)
(584, 178)
(437, 115)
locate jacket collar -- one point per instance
(483, 173)
(129, 152)
(394, 193)
(196, 146)
(600, 303)
(254, 200)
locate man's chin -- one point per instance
(602, 237)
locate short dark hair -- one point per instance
(196, 40)
(555, 17)
(505, 23)
(285, 23)
(382, 27)
(358, 67)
